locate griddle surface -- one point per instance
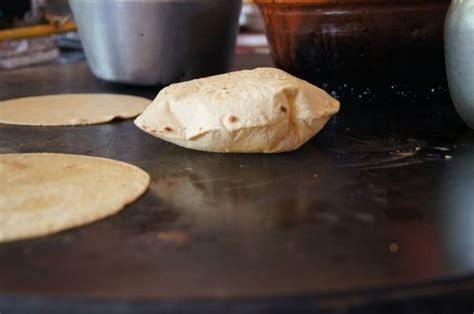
(374, 202)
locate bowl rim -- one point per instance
(334, 2)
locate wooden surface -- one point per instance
(369, 211)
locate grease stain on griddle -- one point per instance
(364, 217)
(175, 237)
(388, 152)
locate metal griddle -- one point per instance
(371, 212)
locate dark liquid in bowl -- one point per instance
(392, 51)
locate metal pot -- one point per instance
(157, 42)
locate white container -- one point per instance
(459, 49)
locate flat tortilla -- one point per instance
(43, 193)
(70, 109)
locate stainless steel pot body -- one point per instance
(157, 42)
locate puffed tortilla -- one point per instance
(265, 110)
(70, 109)
(43, 193)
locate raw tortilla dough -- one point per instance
(265, 110)
(70, 109)
(43, 193)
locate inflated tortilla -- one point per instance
(44, 193)
(263, 110)
(70, 109)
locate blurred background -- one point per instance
(358, 51)
(34, 32)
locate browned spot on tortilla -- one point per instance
(144, 127)
(18, 165)
(283, 109)
(153, 131)
(233, 119)
(167, 128)
(173, 236)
